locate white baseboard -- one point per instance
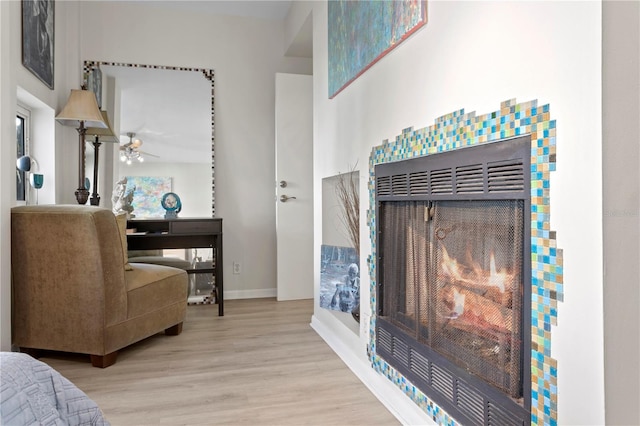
(250, 294)
(400, 405)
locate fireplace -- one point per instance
(453, 280)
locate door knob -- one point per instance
(285, 198)
(283, 184)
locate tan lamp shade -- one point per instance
(106, 134)
(81, 107)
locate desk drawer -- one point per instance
(196, 227)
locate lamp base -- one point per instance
(82, 195)
(94, 200)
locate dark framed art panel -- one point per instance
(38, 22)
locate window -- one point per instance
(22, 148)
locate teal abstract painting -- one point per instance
(147, 195)
(362, 32)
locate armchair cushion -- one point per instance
(150, 287)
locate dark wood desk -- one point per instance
(182, 233)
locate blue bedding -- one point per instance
(33, 393)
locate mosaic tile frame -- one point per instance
(207, 73)
(456, 130)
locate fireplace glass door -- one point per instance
(452, 274)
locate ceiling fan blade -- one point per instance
(149, 154)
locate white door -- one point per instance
(294, 179)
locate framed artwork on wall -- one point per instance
(38, 39)
(362, 32)
(339, 279)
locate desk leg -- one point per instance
(219, 276)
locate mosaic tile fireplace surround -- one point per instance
(532, 127)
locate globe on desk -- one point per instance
(171, 204)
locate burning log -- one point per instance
(467, 310)
(494, 285)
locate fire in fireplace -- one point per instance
(453, 283)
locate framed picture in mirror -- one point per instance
(148, 194)
(94, 83)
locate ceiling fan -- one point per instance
(131, 150)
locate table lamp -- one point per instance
(100, 134)
(81, 111)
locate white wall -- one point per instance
(473, 55)
(621, 189)
(245, 54)
(55, 147)
(7, 173)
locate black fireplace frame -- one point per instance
(499, 170)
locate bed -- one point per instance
(31, 392)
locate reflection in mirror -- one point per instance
(164, 117)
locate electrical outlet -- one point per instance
(236, 267)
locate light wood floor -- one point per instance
(260, 364)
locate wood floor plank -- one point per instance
(260, 364)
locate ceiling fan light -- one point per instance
(128, 162)
(130, 150)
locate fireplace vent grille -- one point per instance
(419, 365)
(419, 183)
(470, 402)
(384, 186)
(384, 340)
(442, 381)
(505, 176)
(496, 416)
(400, 351)
(470, 179)
(441, 181)
(425, 177)
(399, 184)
